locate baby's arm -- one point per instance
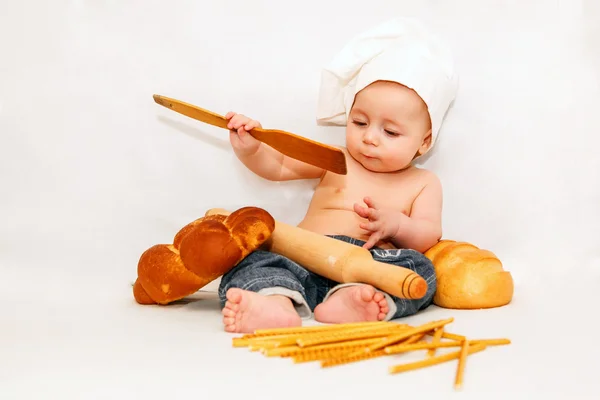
(262, 159)
(423, 228)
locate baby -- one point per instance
(392, 96)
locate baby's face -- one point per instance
(387, 127)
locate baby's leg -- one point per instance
(266, 290)
(360, 302)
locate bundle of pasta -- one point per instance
(339, 344)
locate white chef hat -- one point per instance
(400, 50)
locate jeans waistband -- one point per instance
(348, 239)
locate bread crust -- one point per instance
(201, 252)
(469, 277)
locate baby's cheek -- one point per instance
(400, 158)
(351, 136)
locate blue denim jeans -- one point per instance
(270, 273)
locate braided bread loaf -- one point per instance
(201, 252)
(469, 277)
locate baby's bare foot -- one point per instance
(353, 304)
(247, 311)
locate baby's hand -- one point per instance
(383, 224)
(240, 139)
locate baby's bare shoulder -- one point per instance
(426, 176)
(420, 177)
(422, 182)
(430, 186)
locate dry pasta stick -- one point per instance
(490, 342)
(404, 348)
(264, 343)
(415, 338)
(462, 362)
(351, 358)
(437, 336)
(338, 335)
(393, 339)
(319, 328)
(434, 360)
(333, 354)
(247, 341)
(452, 336)
(360, 354)
(279, 333)
(281, 351)
(284, 333)
(333, 337)
(260, 343)
(297, 350)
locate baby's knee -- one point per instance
(423, 266)
(252, 260)
(419, 263)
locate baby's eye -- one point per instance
(359, 123)
(392, 133)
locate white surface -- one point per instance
(517, 157)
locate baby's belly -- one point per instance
(337, 222)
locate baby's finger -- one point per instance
(234, 122)
(241, 132)
(373, 240)
(370, 226)
(362, 211)
(369, 202)
(230, 116)
(373, 214)
(237, 121)
(251, 125)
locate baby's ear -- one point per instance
(426, 144)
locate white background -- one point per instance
(93, 172)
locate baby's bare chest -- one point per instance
(387, 191)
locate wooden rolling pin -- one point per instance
(340, 261)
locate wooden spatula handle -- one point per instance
(192, 111)
(294, 146)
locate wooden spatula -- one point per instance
(294, 146)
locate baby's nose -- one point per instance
(370, 137)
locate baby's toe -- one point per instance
(232, 306)
(228, 312)
(367, 293)
(378, 297)
(234, 295)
